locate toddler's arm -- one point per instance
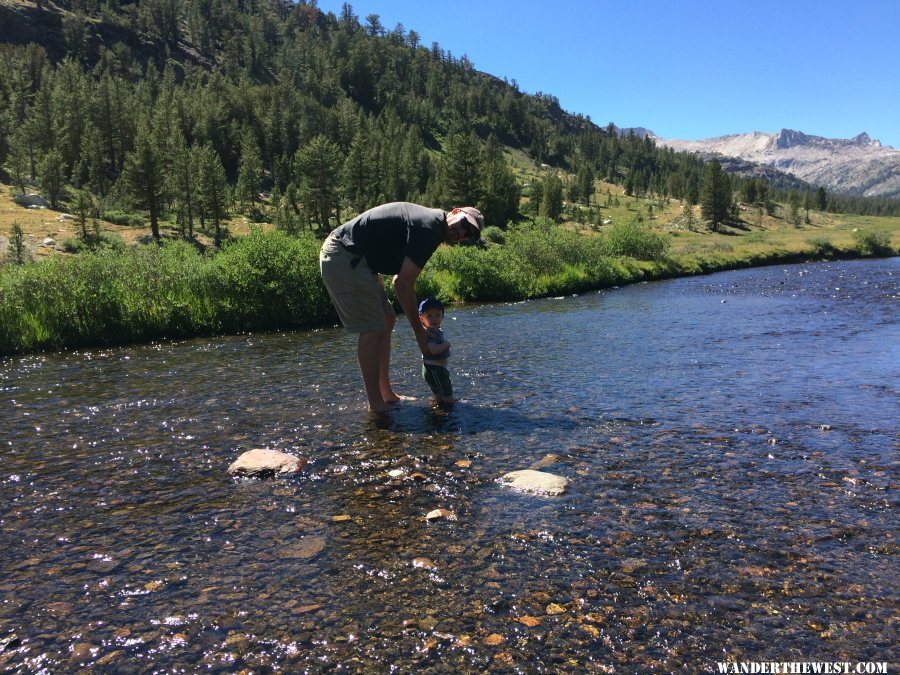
(436, 349)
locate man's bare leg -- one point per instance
(368, 352)
(384, 362)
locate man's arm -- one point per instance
(405, 288)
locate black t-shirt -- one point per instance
(389, 233)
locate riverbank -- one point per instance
(270, 281)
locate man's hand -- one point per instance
(405, 288)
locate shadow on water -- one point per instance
(463, 417)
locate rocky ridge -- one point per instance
(856, 166)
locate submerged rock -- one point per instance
(545, 461)
(261, 462)
(536, 482)
(304, 549)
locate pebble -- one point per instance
(629, 565)
(82, 653)
(530, 621)
(440, 513)
(9, 642)
(427, 623)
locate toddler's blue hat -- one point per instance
(428, 303)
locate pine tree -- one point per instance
(17, 159)
(184, 177)
(715, 194)
(319, 166)
(462, 169)
(17, 249)
(501, 192)
(552, 197)
(762, 190)
(250, 170)
(794, 203)
(51, 176)
(584, 179)
(212, 189)
(688, 213)
(84, 209)
(359, 174)
(146, 175)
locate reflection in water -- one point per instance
(731, 443)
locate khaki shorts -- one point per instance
(356, 291)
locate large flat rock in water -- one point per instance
(262, 462)
(536, 482)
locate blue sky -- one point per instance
(686, 69)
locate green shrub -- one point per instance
(536, 259)
(823, 248)
(873, 243)
(635, 241)
(75, 245)
(125, 219)
(267, 281)
(106, 240)
(494, 235)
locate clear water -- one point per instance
(731, 441)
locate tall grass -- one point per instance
(168, 291)
(271, 281)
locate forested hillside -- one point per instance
(187, 109)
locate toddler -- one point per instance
(434, 366)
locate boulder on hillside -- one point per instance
(31, 200)
(260, 462)
(536, 482)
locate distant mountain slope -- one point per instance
(856, 166)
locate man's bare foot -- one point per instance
(396, 398)
(380, 408)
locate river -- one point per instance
(731, 443)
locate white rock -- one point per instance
(260, 462)
(65, 216)
(536, 482)
(49, 241)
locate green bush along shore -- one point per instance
(270, 281)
